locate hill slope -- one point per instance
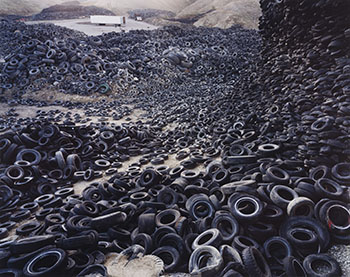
(223, 13)
(209, 13)
(25, 7)
(126, 5)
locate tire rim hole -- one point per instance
(302, 210)
(285, 194)
(321, 266)
(339, 216)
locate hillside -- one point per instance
(209, 13)
(222, 13)
(126, 5)
(25, 7)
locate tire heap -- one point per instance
(268, 202)
(154, 61)
(306, 71)
(14, 35)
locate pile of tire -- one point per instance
(156, 60)
(274, 193)
(254, 213)
(306, 72)
(15, 34)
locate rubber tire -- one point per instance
(335, 268)
(255, 263)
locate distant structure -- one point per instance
(138, 17)
(108, 20)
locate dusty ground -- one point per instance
(84, 25)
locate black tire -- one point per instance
(167, 218)
(145, 241)
(11, 272)
(272, 214)
(146, 223)
(105, 221)
(311, 260)
(210, 237)
(227, 225)
(301, 206)
(304, 241)
(277, 175)
(282, 195)
(230, 254)
(57, 258)
(241, 242)
(293, 268)
(94, 270)
(214, 262)
(261, 231)
(31, 244)
(175, 241)
(255, 263)
(170, 256)
(276, 249)
(309, 223)
(245, 208)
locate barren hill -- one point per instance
(223, 13)
(25, 7)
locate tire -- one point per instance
(293, 268)
(309, 223)
(31, 244)
(170, 256)
(145, 241)
(255, 263)
(60, 261)
(282, 195)
(105, 221)
(245, 208)
(261, 231)
(167, 218)
(213, 265)
(272, 214)
(310, 260)
(94, 270)
(301, 206)
(304, 241)
(277, 175)
(227, 225)
(276, 249)
(211, 237)
(175, 241)
(328, 188)
(230, 254)
(11, 272)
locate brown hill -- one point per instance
(222, 13)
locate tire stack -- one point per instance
(133, 62)
(273, 195)
(306, 47)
